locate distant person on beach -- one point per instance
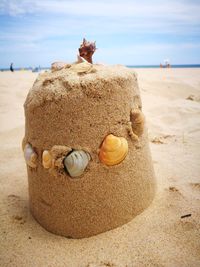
(11, 67)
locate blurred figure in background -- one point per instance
(11, 67)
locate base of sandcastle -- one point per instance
(67, 111)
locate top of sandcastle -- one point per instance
(64, 78)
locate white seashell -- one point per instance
(76, 162)
(80, 59)
(30, 156)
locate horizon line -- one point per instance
(127, 65)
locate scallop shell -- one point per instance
(113, 150)
(76, 162)
(30, 156)
(46, 159)
(83, 67)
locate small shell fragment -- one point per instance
(30, 156)
(46, 159)
(137, 120)
(59, 66)
(83, 67)
(76, 162)
(80, 59)
(113, 150)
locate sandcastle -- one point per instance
(86, 148)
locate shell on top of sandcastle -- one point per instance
(88, 160)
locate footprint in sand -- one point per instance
(162, 139)
(103, 264)
(196, 189)
(193, 98)
(17, 208)
(195, 185)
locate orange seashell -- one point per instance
(113, 150)
(46, 159)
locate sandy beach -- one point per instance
(165, 234)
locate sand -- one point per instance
(156, 237)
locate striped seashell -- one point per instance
(30, 156)
(76, 162)
(46, 159)
(113, 150)
(83, 67)
(137, 120)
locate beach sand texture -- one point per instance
(156, 237)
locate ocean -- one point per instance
(129, 66)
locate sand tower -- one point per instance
(86, 148)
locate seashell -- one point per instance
(87, 49)
(76, 162)
(59, 66)
(113, 150)
(46, 159)
(83, 67)
(137, 120)
(80, 59)
(30, 156)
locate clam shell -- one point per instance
(76, 162)
(46, 159)
(83, 67)
(113, 150)
(30, 156)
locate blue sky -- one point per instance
(137, 32)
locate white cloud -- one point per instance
(61, 18)
(177, 9)
(107, 17)
(14, 7)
